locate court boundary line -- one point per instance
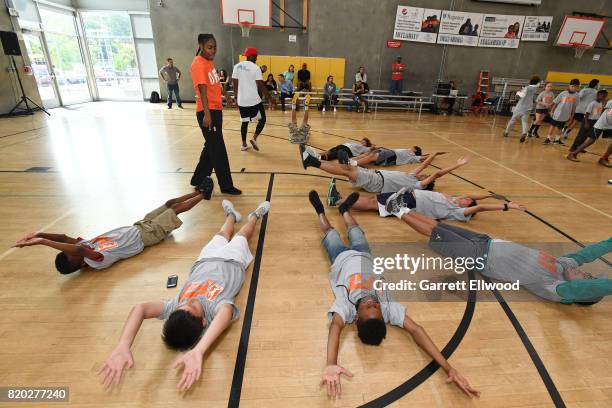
(243, 345)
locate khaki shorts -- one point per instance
(157, 224)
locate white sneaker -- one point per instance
(353, 162)
(334, 108)
(313, 152)
(228, 208)
(323, 109)
(244, 148)
(261, 210)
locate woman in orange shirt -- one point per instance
(210, 117)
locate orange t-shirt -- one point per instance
(203, 72)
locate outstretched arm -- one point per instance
(592, 252)
(332, 372)
(461, 162)
(192, 360)
(70, 249)
(427, 162)
(420, 337)
(51, 237)
(111, 371)
(479, 196)
(493, 207)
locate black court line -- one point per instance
(535, 358)
(243, 346)
(23, 131)
(448, 350)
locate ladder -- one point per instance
(484, 83)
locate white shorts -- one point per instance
(237, 249)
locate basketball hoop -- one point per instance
(579, 49)
(246, 28)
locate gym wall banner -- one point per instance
(416, 24)
(536, 28)
(460, 28)
(501, 31)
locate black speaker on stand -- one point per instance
(10, 44)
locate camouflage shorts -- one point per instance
(300, 134)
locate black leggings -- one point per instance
(583, 135)
(214, 155)
(260, 124)
(333, 152)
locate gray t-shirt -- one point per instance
(170, 74)
(396, 180)
(544, 100)
(214, 282)
(565, 101)
(539, 272)
(525, 104)
(594, 110)
(120, 243)
(437, 206)
(357, 148)
(585, 97)
(605, 120)
(406, 156)
(351, 278)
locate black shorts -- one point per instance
(579, 117)
(409, 199)
(542, 111)
(250, 113)
(456, 242)
(386, 157)
(557, 124)
(333, 152)
(604, 133)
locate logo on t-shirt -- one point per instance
(209, 289)
(548, 262)
(104, 243)
(547, 99)
(569, 99)
(213, 76)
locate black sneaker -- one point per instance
(307, 159)
(315, 201)
(523, 139)
(206, 187)
(558, 142)
(547, 141)
(232, 191)
(343, 157)
(348, 203)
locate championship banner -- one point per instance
(501, 31)
(460, 28)
(416, 24)
(536, 28)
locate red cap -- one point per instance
(250, 51)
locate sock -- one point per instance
(401, 212)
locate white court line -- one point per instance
(525, 176)
(52, 223)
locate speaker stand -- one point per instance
(18, 109)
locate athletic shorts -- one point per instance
(542, 111)
(250, 113)
(157, 224)
(299, 133)
(220, 248)
(557, 124)
(370, 180)
(604, 133)
(386, 157)
(456, 242)
(579, 116)
(409, 200)
(333, 152)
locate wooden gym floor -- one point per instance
(93, 167)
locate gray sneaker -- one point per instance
(228, 208)
(395, 202)
(261, 210)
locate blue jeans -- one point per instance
(334, 246)
(396, 86)
(173, 88)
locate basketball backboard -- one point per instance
(257, 13)
(579, 31)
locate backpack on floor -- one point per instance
(154, 97)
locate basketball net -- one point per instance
(579, 50)
(246, 28)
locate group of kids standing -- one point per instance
(205, 306)
(587, 108)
